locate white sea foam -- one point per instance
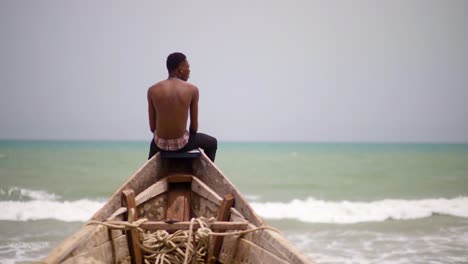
(68, 211)
(23, 252)
(252, 197)
(26, 204)
(312, 210)
(22, 194)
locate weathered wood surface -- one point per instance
(154, 209)
(212, 176)
(241, 251)
(236, 216)
(113, 251)
(84, 239)
(128, 200)
(202, 207)
(204, 191)
(218, 225)
(154, 190)
(223, 215)
(148, 194)
(178, 202)
(118, 213)
(274, 242)
(179, 177)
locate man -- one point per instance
(169, 104)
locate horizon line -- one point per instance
(250, 141)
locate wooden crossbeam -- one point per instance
(218, 225)
(179, 177)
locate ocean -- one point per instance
(337, 202)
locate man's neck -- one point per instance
(173, 77)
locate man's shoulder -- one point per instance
(192, 86)
(156, 86)
(184, 84)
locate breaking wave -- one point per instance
(25, 204)
(312, 210)
(16, 193)
(68, 211)
(20, 204)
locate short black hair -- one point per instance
(174, 60)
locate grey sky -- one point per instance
(267, 70)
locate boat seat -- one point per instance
(190, 154)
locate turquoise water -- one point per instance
(340, 203)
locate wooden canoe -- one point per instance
(161, 191)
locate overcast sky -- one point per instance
(266, 70)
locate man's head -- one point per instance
(177, 66)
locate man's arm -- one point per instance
(151, 113)
(194, 111)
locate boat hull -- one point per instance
(98, 244)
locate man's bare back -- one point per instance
(169, 104)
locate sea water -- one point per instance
(338, 203)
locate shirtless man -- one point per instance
(169, 104)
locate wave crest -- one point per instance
(24, 204)
(312, 210)
(68, 211)
(21, 204)
(17, 193)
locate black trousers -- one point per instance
(208, 143)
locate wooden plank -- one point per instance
(225, 208)
(154, 209)
(178, 203)
(151, 192)
(241, 251)
(117, 213)
(203, 207)
(206, 192)
(69, 244)
(278, 245)
(236, 216)
(179, 177)
(113, 251)
(128, 198)
(223, 215)
(218, 225)
(98, 236)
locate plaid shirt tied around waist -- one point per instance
(171, 144)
